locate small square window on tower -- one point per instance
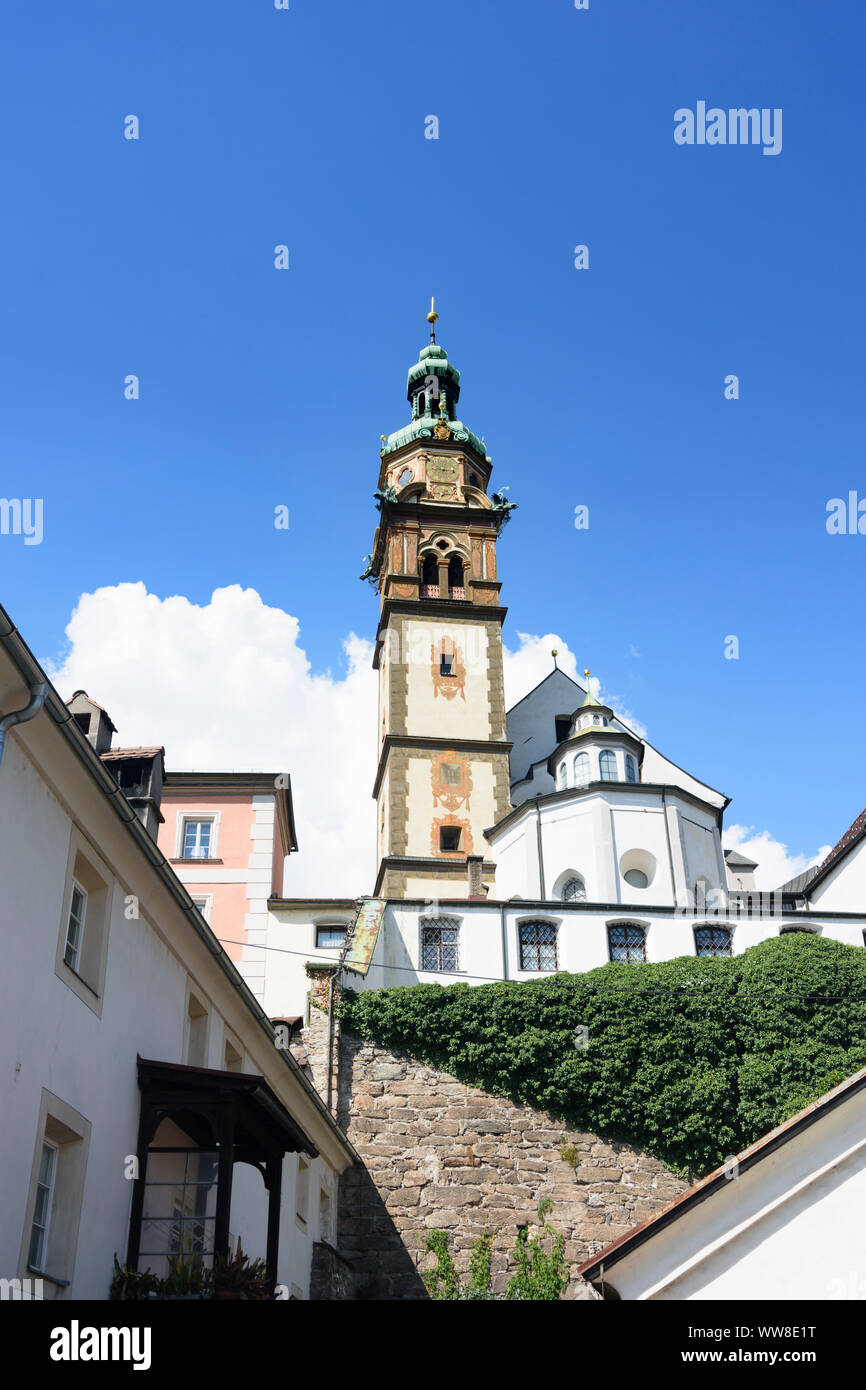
(446, 664)
(449, 839)
(451, 774)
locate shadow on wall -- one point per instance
(381, 1265)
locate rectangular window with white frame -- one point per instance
(42, 1208)
(82, 945)
(53, 1210)
(197, 839)
(75, 925)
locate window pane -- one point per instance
(574, 891)
(627, 943)
(537, 946)
(581, 770)
(440, 944)
(713, 941)
(329, 937)
(607, 764)
(630, 769)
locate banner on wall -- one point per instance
(365, 935)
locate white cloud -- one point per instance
(775, 865)
(226, 686)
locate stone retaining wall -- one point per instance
(438, 1153)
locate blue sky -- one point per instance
(602, 387)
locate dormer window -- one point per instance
(563, 726)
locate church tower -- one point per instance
(443, 774)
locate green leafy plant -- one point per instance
(442, 1281)
(130, 1286)
(569, 1154)
(236, 1276)
(692, 1059)
(542, 1275)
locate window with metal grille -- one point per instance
(440, 940)
(537, 946)
(607, 766)
(574, 890)
(627, 942)
(713, 941)
(452, 774)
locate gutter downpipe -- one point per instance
(21, 716)
(542, 893)
(504, 941)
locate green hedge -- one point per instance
(690, 1059)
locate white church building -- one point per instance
(514, 843)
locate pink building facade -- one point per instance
(227, 835)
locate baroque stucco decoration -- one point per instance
(447, 685)
(451, 795)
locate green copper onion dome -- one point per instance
(433, 390)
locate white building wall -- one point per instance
(781, 1229)
(844, 889)
(54, 1042)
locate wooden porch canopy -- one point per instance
(235, 1113)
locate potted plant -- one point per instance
(238, 1277)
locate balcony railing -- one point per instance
(429, 590)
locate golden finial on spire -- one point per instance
(586, 672)
(432, 318)
(555, 653)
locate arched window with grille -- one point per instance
(455, 577)
(630, 768)
(713, 941)
(581, 770)
(537, 946)
(574, 890)
(626, 942)
(607, 766)
(440, 943)
(429, 577)
(563, 777)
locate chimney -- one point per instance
(92, 720)
(474, 863)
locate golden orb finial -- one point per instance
(586, 672)
(554, 652)
(432, 318)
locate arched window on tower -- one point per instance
(607, 766)
(455, 578)
(581, 770)
(630, 768)
(422, 404)
(430, 577)
(563, 777)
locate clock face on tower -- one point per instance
(442, 478)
